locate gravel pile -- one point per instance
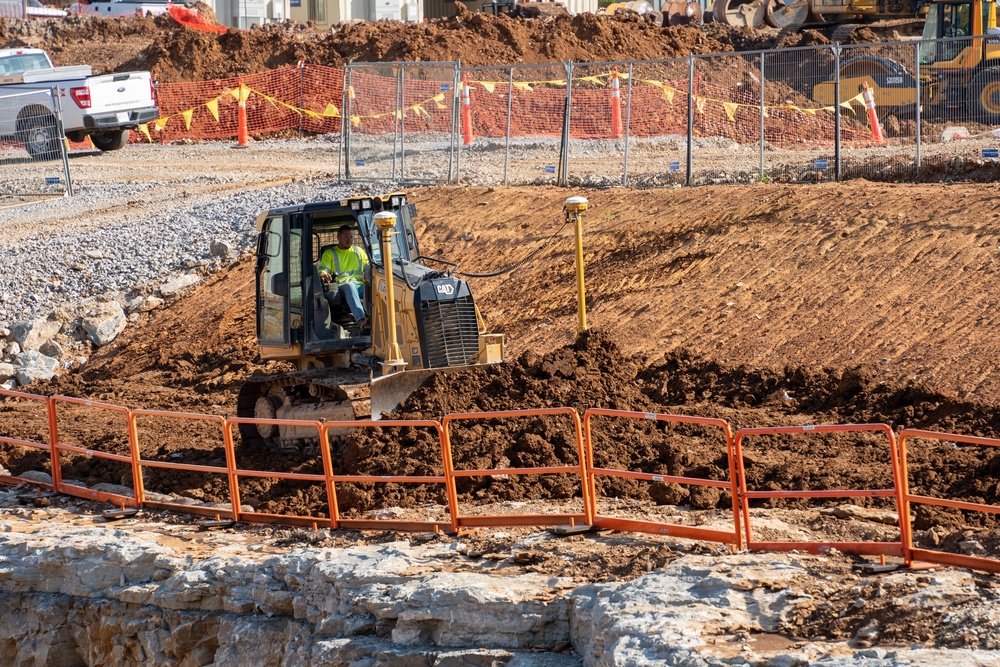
(115, 257)
(50, 270)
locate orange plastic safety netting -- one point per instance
(652, 102)
(306, 97)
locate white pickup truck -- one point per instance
(103, 107)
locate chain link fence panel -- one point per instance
(959, 125)
(400, 122)
(799, 132)
(656, 123)
(726, 131)
(373, 110)
(427, 122)
(878, 133)
(598, 120)
(530, 100)
(33, 159)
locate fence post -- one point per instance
(628, 122)
(347, 115)
(762, 112)
(510, 101)
(456, 120)
(343, 116)
(395, 129)
(689, 172)
(564, 149)
(916, 115)
(61, 132)
(451, 142)
(402, 122)
(50, 405)
(836, 104)
(133, 445)
(302, 85)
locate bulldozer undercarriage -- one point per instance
(321, 395)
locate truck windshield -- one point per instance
(25, 62)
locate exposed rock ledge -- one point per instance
(76, 592)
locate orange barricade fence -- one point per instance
(466, 521)
(92, 423)
(310, 97)
(189, 18)
(33, 444)
(444, 479)
(947, 442)
(93, 416)
(218, 425)
(865, 548)
(291, 478)
(732, 537)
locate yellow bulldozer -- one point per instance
(420, 319)
(959, 71)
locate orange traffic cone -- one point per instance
(241, 120)
(466, 112)
(616, 107)
(872, 116)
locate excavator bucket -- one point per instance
(681, 12)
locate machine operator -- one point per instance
(345, 263)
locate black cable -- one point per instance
(521, 263)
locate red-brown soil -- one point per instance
(763, 305)
(175, 53)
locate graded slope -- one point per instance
(900, 278)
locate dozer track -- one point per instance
(314, 395)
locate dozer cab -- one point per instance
(960, 71)
(344, 370)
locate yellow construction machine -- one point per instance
(422, 319)
(792, 14)
(959, 71)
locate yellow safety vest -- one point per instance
(345, 265)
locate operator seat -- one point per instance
(339, 312)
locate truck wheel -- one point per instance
(40, 136)
(985, 105)
(111, 140)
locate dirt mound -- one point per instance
(206, 12)
(593, 372)
(175, 53)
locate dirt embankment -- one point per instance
(175, 53)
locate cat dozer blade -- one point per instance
(390, 391)
(740, 13)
